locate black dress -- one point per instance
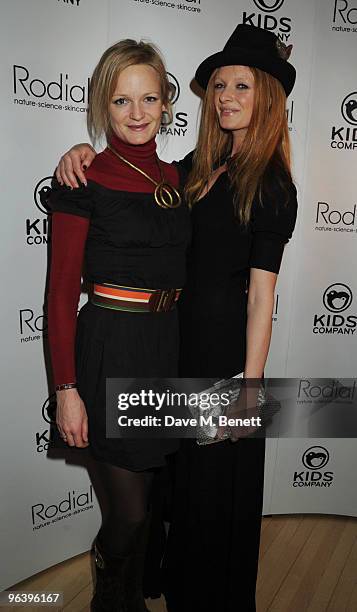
(212, 553)
(135, 243)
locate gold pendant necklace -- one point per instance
(166, 196)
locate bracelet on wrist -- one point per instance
(66, 386)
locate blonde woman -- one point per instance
(133, 242)
(244, 207)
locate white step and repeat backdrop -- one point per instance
(48, 49)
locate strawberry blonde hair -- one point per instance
(265, 149)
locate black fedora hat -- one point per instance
(253, 47)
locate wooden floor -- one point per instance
(307, 563)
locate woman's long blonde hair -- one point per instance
(114, 60)
(265, 148)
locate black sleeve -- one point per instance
(272, 224)
(73, 201)
(186, 162)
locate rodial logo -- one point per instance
(265, 19)
(179, 125)
(312, 392)
(344, 16)
(336, 299)
(58, 93)
(72, 503)
(33, 325)
(345, 137)
(314, 459)
(189, 6)
(184, 7)
(330, 219)
(37, 230)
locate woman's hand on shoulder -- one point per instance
(71, 418)
(72, 165)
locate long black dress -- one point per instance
(212, 552)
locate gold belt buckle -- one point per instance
(162, 300)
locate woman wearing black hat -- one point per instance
(243, 212)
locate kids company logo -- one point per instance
(266, 17)
(175, 87)
(44, 438)
(314, 459)
(336, 299)
(345, 136)
(179, 125)
(71, 504)
(38, 229)
(269, 6)
(349, 108)
(60, 93)
(42, 193)
(344, 16)
(49, 410)
(330, 219)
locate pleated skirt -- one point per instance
(117, 344)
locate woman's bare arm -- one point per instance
(259, 325)
(72, 165)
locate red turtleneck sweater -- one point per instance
(69, 234)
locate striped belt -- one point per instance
(133, 299)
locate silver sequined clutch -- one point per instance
(214, 403)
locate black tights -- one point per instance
(124, 497)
